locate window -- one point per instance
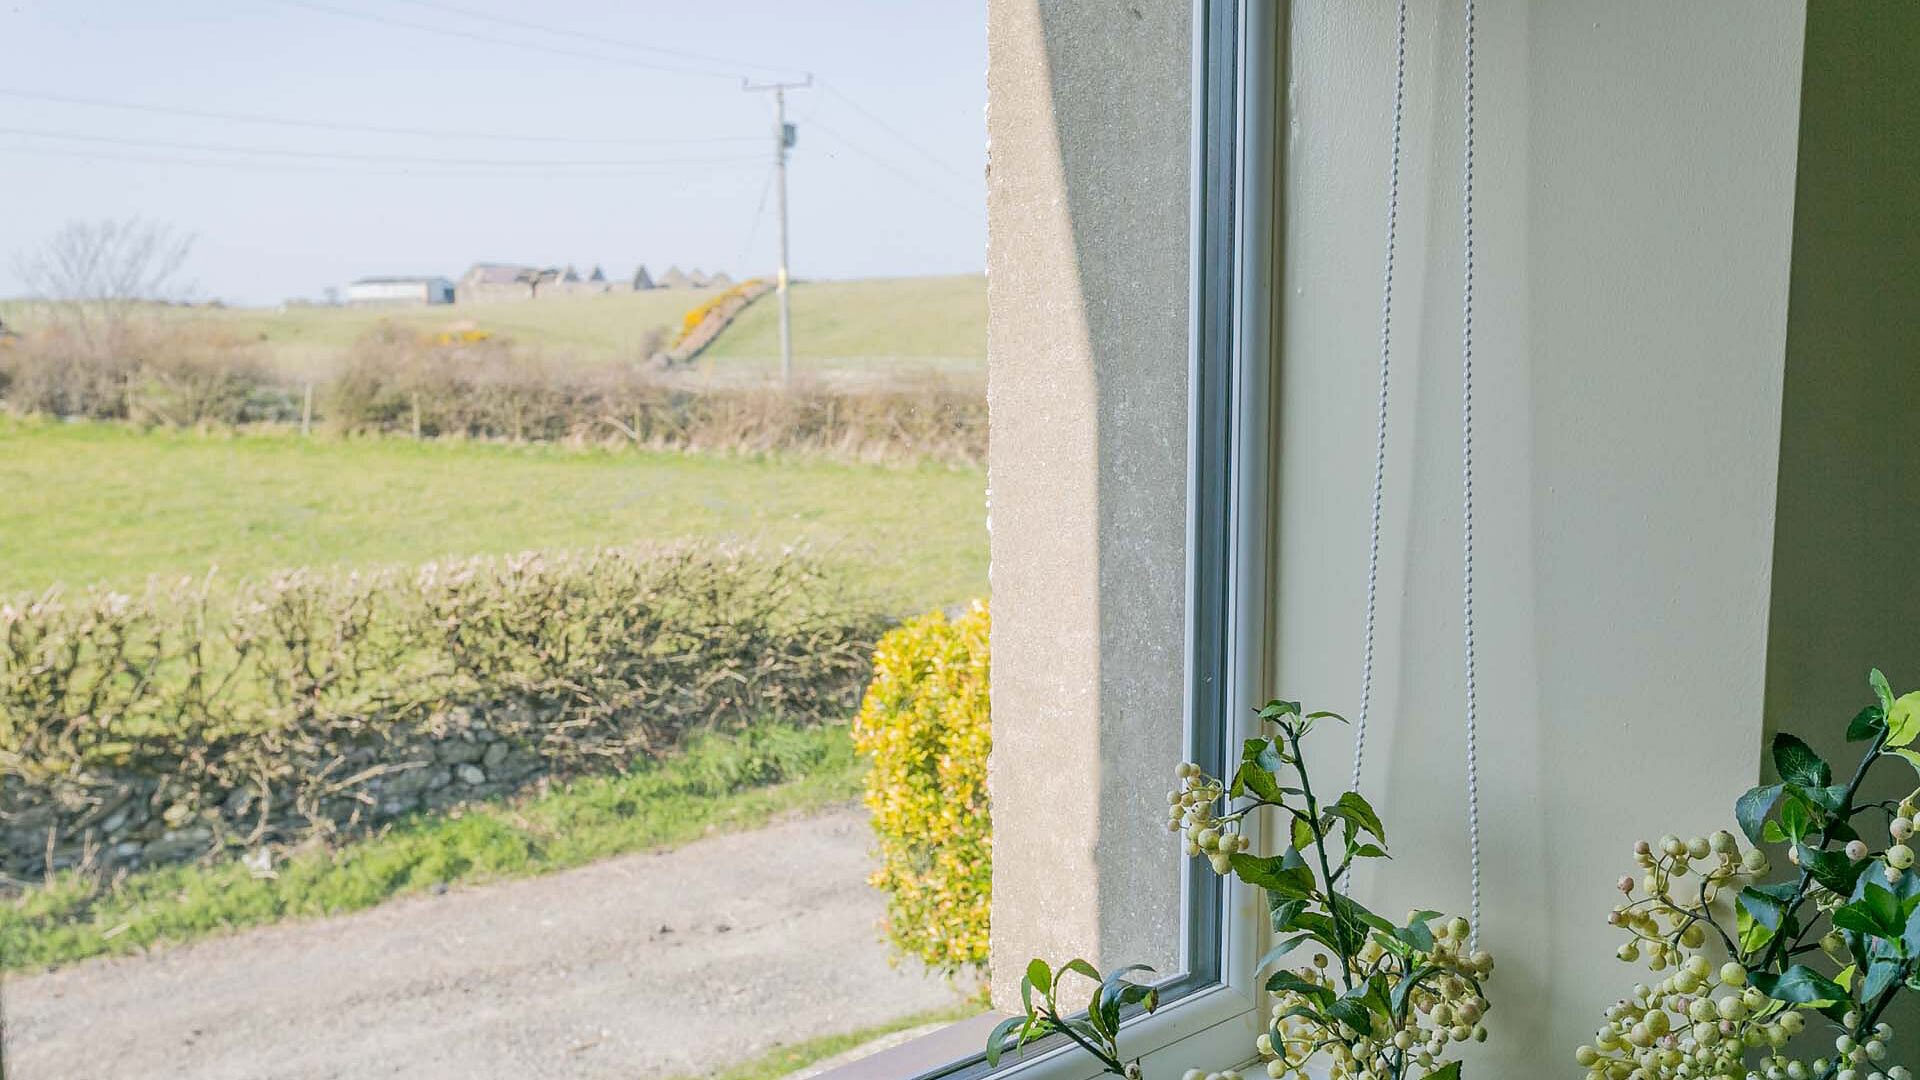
(481, 827)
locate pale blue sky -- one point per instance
(894, 189)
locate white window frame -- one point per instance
(1214, 1010)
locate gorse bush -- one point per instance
(317, 704)
(925, 725)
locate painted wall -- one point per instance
(1846, 591)
(1089, 124)
(1635, 207)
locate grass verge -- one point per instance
(718, 782)
(782, 1060)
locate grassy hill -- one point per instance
(878, 325)
(937, 323)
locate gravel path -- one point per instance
(640, 966)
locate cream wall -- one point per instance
(1635, 196)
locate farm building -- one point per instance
(400, 290)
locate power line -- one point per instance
(898, 135)
(598, 39)
(716, 165)
(759, 211)
(471, 35)
(376, 129)
(330, 155)
(910, 178)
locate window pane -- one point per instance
(443, 565)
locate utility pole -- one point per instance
(783, 139)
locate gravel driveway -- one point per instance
(640, 966)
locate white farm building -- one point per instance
(400, 290)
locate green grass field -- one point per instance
(731, 782)
(886, 324)
(880, 325)
(93, 503)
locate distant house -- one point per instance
(720, 281)
(493, 282)
(642, 279)
(674, 279)
(401, 290)
(699, 279)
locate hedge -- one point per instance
(145, 729)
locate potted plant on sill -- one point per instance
(1376, 1000)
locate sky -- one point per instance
(584, 132)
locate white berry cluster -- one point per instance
(1670, 915)
(1191, 810)
(1701, 1021)
(1447, 1007)
(1200, 1074)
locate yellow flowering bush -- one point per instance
(924, 723)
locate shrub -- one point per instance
(925, 725)
(473, 384)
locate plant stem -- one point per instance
(1806, 874)
(1320, 850)
(1113, 1064)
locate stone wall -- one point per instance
(129, 819)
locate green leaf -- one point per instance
(1416, 934)
(1263, 752)
(1272, 874)
(1287, 981)
(1903, 720)
(1353, 1012)
(1351, 807)
(1753, 808)
(1116, 994)
(996, 1041)
(1764, 903)
(1751, 934)
(1302, 834)
(1799, 985)
(1772, 833)
(1831, 868)
(1880, 977)
(1796, 817)
(1083, 968)
(1275, 709)
(1281, 913)
(1449, 1071)
(1286, 946)
(1881, 690)
(1370, 851)
(1040, 975)
(1798, 764)
(1260, 782)
(1877, 912)
(1867, 724)
(1325, 715)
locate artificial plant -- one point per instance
(1753, 967)
(1374, 1000)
